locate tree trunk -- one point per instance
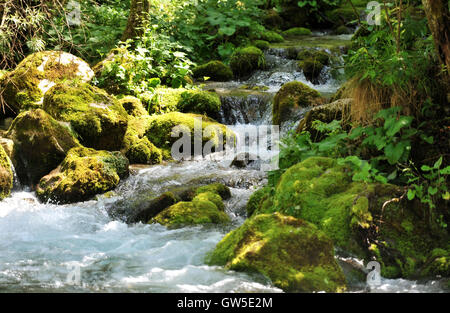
(137, 18)
(439, 22)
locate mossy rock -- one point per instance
(342, 16)
(366, 220)
(245, 61)
(201, 102)
(160, 129)
(205, 208)
(271, 36)
(272, 19)
(337, 110)
(6, 174)
(217, 188)
(98, 118)
(83, 174)
(215, 70)
(25, 86)
(342, 30)
(437, 263)
(290, 97)
(136, 147)
(166, 100)
(315, 54)
(311, 69)
(261, 44)
(256, 200)
(292, 253)
(297, 31)
(40, 144)
(133, 106)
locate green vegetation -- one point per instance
(246, 60)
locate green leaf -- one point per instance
(438, 163)
(411, 194)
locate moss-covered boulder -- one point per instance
(25, 87)
(297, 31)
(271, 36)
(292, 253)
(261, 44)
(342, 30)
(160, 129)
(315, 54)
(98, 118)
(83, 174)
(6, 174)
(40, 144)
(136, 147)
(367, 220)
(133, 106)
(201, 102)
(337, 110)
(215, 70)
(206, 207)
(311, 69)
(256, 200)
(245, 61)
(166, 100)
(342, 16)
(291, 97)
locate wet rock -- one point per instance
(83, 174)
(6, 174)
(290, 98)
(292, 253)
(246, 160)
(25, 87)
(98, 118)
(40, 144)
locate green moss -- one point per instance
(256, 200)
(291, 96)
(261, 44)
(98, 118)
(205, 208)
(342, 30)
(133, 106)
(144, 152)
(6, 175)
(315, 54)
(246, 60)
(271, 36)
(83, 174)
(311, 69)
(166, 100)
(294, 254)
(40, 144)
(297, 31)
(357, 216)
(215, 70)
(24, 88)
(217, 188)
(438, 263)
(201, 102)
(160, 128)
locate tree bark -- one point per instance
(439, 22)
(137, 18)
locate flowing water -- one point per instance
(44, 246)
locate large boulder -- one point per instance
(292, 253)
(244, 61)
(215, 70)
(83, 174)
(200, 102)
(160, 129)
(371, 221)
(25, 87)
(290, 98)
(206, 207)
(6, 174)
(98, 118)
(40, 144)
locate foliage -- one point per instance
(150, 60)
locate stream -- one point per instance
(41, 244)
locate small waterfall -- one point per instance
(246, 108)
